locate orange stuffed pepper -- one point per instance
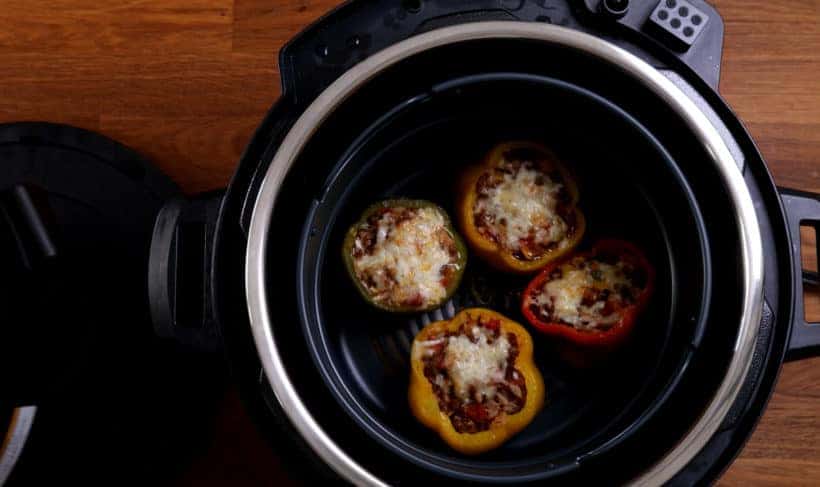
(473, 380)
(518, 209)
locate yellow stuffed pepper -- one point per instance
(473, 380)
(518, 209)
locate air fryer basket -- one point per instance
(405, 134)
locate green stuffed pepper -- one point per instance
(404, 255)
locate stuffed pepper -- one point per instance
(591, 299)
(518, 209)
(404, 255)
(473, 380)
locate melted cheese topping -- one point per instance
(479, 365)
(407, 260)
(566, 294)
(523, 208)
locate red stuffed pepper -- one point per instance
(591, 300)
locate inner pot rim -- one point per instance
(309, 274)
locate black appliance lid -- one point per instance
(76, 212)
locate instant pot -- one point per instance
(385, 99)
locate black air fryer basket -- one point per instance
(416, 151)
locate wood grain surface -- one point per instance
(186, 81)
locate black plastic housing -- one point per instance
(357, 29)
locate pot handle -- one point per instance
(180, 271)
(802, 209)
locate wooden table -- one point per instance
(186, 81)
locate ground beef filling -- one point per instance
(523, 206)
(405, 257)
(588, 293)
(473, 407)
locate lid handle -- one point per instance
(26, 233)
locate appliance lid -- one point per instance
(747, 226)
(75, 211)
